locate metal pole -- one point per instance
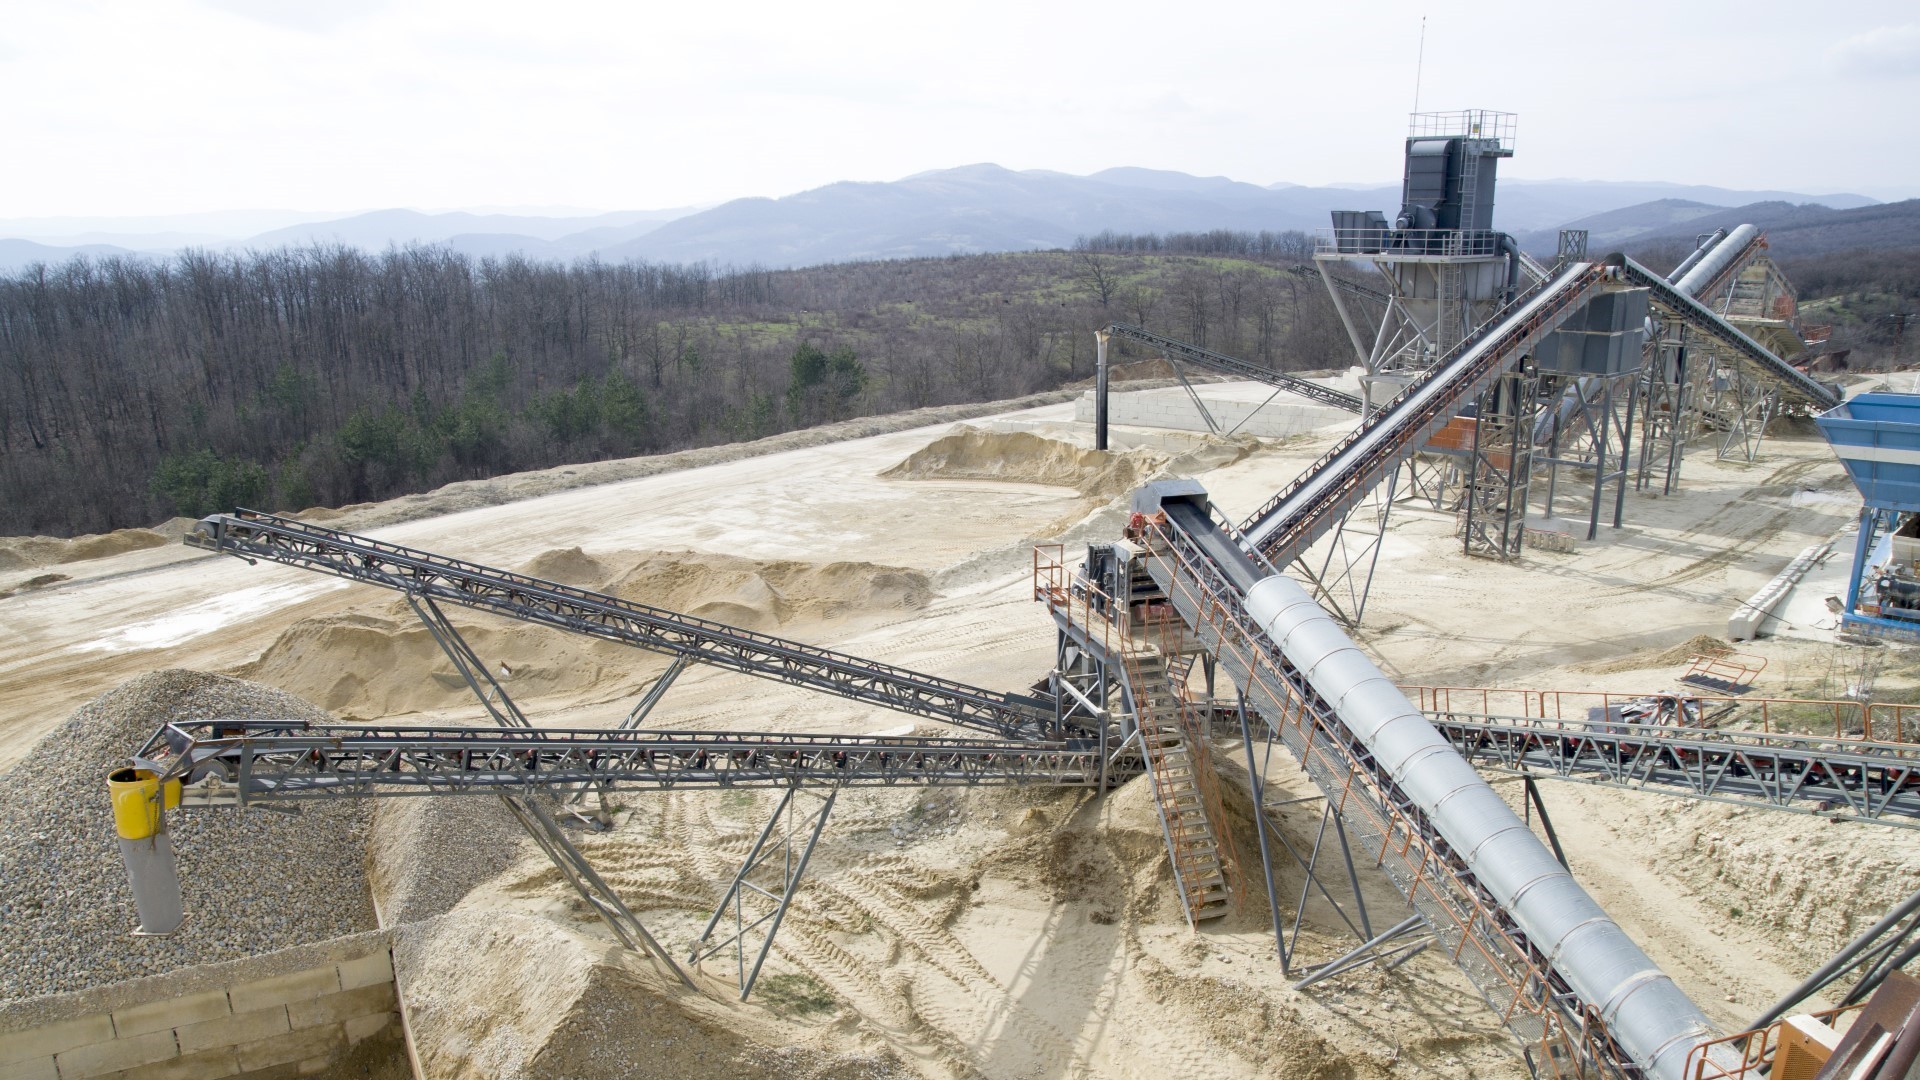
(1353, 879)
(1300, 910)
(655, 692)
(1834, 967)
(1533, 798)
(1259, 828)
(795, 873)
(733, 889)
(1626, 453)
(1099, 389)
(1333, 967)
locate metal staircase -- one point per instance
(1122, 617)
(1174, 752)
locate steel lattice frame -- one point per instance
(247, 762)
(420, 573)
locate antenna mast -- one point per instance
(1419, 63)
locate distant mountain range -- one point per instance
(974, 208)
(1792, 229)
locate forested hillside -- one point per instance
(133, 390)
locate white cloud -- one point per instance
(1883, 52)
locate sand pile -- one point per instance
(252, 882)
(369, 666)
(767, 595)
(23, 552)
(569, 566)
(1699, 645)
(508, 996)
(1023, 457)
(387, 664)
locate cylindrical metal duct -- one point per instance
(1644, 1010)
(1697, 254)
(1714, 261)
(139, 804)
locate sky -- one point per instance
(181, 106)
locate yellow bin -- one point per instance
(136, 801)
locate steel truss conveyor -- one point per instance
(1332, 487)
(1844, 778)
(1762, 364)
(242, 763)
(253, 535)
(1227, 365)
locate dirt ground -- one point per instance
(988, 933)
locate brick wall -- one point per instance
(284, 1014)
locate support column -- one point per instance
(783, 867)
(1099, 389)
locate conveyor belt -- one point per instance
(263, 536)
(1227, 365)
(1332, 486)
(1545, 955)
(1768, 368)
(1869, 781)
(237, 763)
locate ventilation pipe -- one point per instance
(1645, 1012)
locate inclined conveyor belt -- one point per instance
(1702, 272)
(1362, 739)
(1314, 503)
(1303, 511)
(1227, 365)
(254, 535)
(1792, 384)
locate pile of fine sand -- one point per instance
(387, 664)
(25, 552)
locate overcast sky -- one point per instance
(172, 106)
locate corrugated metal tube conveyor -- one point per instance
(1561, 973)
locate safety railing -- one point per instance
(1892, 722)
(1467, 123)
(1750, 1054)
(1730, 669)
(1896, 726)
(1109, 625)
(1408, 243)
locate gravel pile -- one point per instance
(252, 882)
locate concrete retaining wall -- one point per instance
(1172, 408)
(285, 1014)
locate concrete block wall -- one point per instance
(1174, 409)
(285, 1014)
